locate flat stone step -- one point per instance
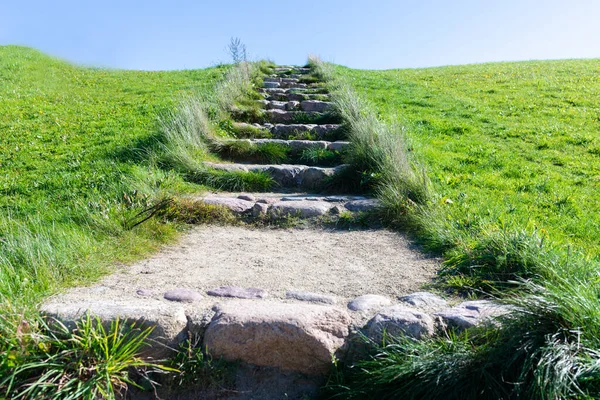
(281, 205)
(282, 116)
(315, 106)
(285, 96)
(279, 105)
(329, 132)
(298, 145)
(287, 175)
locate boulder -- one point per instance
(369, 302)
(302, 209)
(276, 105)
(292, 337)
(472, 313)
(400, 320)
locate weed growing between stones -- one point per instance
(196, 369)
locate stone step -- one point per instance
(285, 85)
(282, 116)
(306, 105)
(330, 132)
(286, 96)
(298, 145)
(287, 175)
(278, 205)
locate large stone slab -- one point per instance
(472, 313)
(400, 320)
(362, 205)
(234, 204)
(315, 105)
(302, 208)
(168, 320)
(291, 337)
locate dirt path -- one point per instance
(344, 264)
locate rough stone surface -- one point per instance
(145, 292)
(398, 320)
(276, 105)
(285, 130)
(183, 295)
(369, 302)
(424, 300)
(260, 208)
(314, 177)
(292, 105)
(169, 320)
(227, 167)
(271, 85)
(472, 313)
(338, 145)
(247, 197)
(236, 205)
(280, 116)
(309, 296)
(286, 175)
(238, 292)
(362, 205)
(337, 210)
(292, 337)
(299, 145)
(303, 209)
(315, 105)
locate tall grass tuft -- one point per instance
(89, 362)
(378, 149)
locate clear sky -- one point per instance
(181, 34)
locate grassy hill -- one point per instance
(511, 145)
(73, 140)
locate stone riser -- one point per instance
(305, 105)
(297, 146)
(287, 176)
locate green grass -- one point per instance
(74, 150)
(512, 145)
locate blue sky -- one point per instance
(181, 34)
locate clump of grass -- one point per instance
(89, 362)
(188, 133)
(270, 153)
(188, 211)
(318, 156)
(233, 181)
(377, 149)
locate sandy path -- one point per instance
(341, 263)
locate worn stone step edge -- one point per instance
(302, 206)
(304, 105)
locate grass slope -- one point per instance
(73, 147)
(512, 145)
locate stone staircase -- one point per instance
(299, 119)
